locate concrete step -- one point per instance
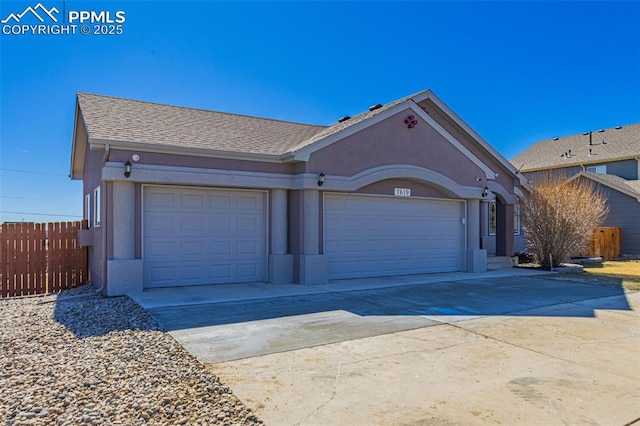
(499, 262)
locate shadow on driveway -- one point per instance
(478, 297)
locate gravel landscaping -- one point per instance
(79, 358)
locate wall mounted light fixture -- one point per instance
(127, 169)
(485, 192)
(321, 179)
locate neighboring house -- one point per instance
(610, 158)
(178, 196)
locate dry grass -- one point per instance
(624, 274)
(628, 272)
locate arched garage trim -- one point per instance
(416, 173)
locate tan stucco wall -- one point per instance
(391, 142)
(200, 162)
(505, 177)
(387, 187)
(92, 177)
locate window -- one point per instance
(87, 208)
(96, 207)
(601, 169)
(493, 219)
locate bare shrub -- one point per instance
(558, 217)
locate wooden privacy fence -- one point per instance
(606, 243)
(40, 258)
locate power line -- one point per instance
(24, 198)
(31, 172)
(41, 214)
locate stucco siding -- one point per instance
(391, 142)
(92, 177)
(294, 210)
(505, 177)
(161, 159)
(624, 212)
(387, 187)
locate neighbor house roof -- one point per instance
(595, 147)
(628, 187)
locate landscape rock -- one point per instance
(80, 358)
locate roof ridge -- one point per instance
(353, 120)
(593, 131)
(202, 109)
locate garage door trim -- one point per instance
(266, 222)
(461, 234)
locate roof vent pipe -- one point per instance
(342, 119)
(375, 107)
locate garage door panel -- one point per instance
(161, 273)
(160, 222)
(192, 248)
(247, 248)
(247, 203)
(192, 272)
(367, 236)
(192, 223)
(162, 248)
(247, 270)
(247, 224)
(196, 236)
(192, 201)
(220, 272)
(218, 248)
(155, 199)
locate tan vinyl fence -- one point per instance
(606, 243)
(41, 258)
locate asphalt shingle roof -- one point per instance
(331, 130)
(616, 182)
(117, 119)
(619, 142)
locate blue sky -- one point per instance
(517, 72)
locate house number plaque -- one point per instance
(402, 192)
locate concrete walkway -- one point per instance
(509, 347)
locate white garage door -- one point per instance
(194, 236)
(368, 236)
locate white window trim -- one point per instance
(492, 204)
(96, 206)
(87, 208)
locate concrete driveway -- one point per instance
(504, 347)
